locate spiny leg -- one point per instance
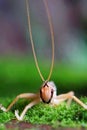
(24, 95)
(25, 109)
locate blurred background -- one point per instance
(18, 72)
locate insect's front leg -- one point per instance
(36, 101)
(24, 95)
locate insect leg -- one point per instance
(68, 96)
(24, 95)
(25, 109)
(63, 97)
(79, 102)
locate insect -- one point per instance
(47, 93)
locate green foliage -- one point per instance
(19, 76)
(62, 115)
(5, 117)
(58, 115)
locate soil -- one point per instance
(13, 124)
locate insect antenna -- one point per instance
(32, 43)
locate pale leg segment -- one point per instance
(68, 96)
(79, 102)
(25, 109)
(24, 95)
(63, 97)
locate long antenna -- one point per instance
(52, 37)
(32, 43)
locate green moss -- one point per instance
(5, 117)
(73, 116)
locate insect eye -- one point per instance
(52, 92)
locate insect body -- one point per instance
(47, 93)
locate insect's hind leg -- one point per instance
(63, 97)
(79, 102)
(24, 95)
(69, 97)
(69, 101)
(73, 97)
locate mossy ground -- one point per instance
(63, 116)
(20, 75)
